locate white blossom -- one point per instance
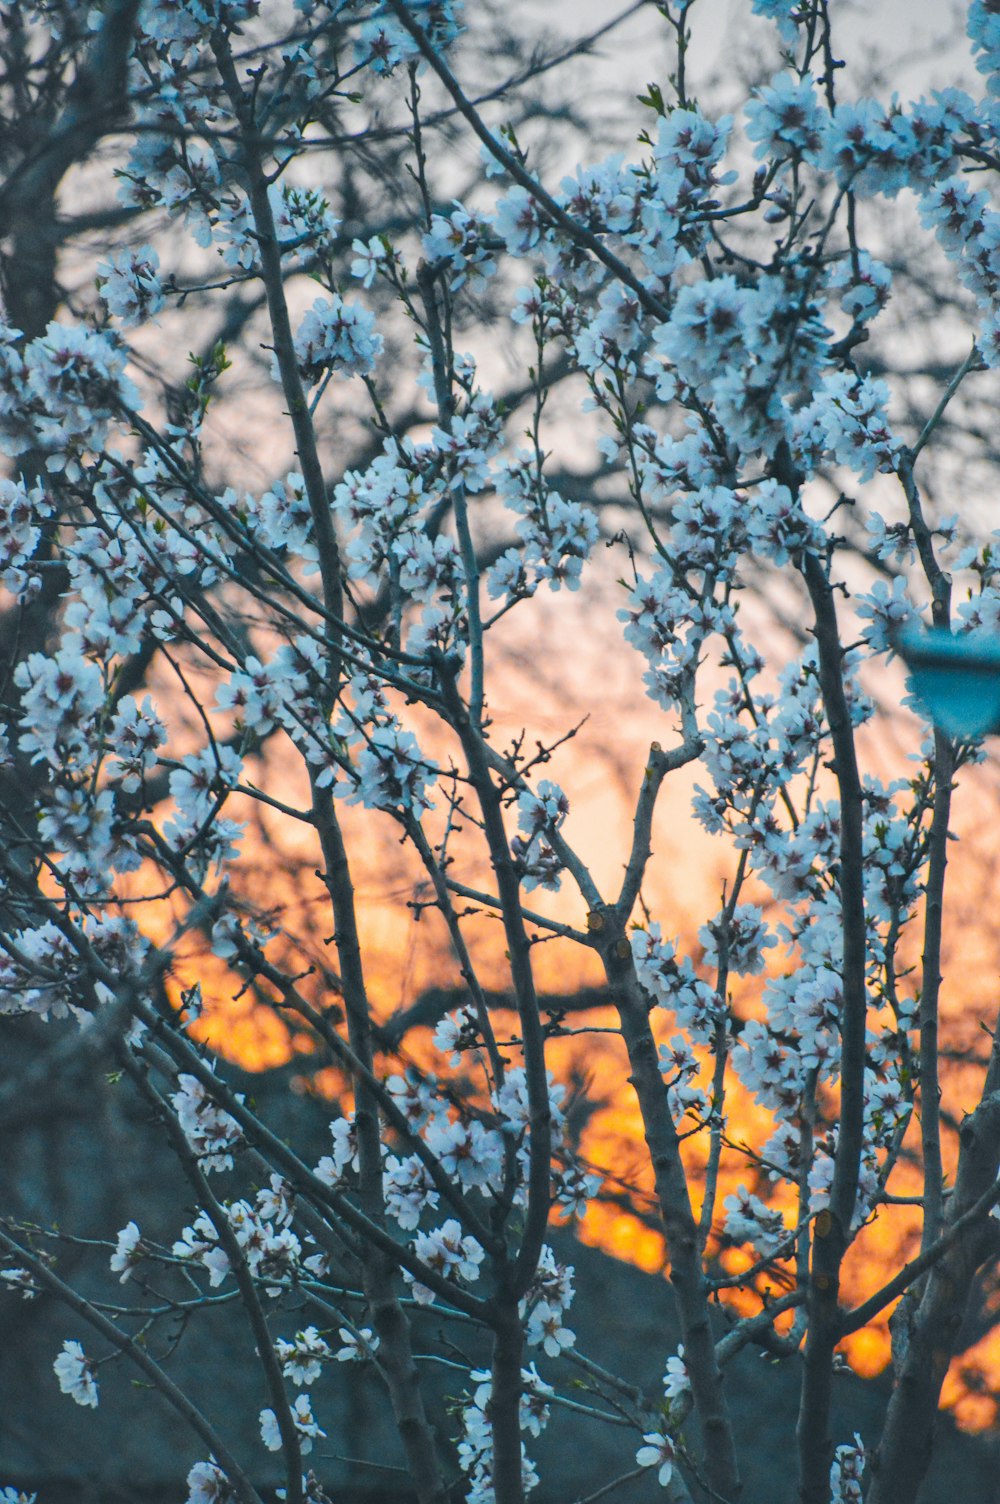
(335, 336)
(302, 1356)
(658, 1452)
(357, 1347)
(131, 286)
(128, 1251)
(676, 1380)
(447, 1251)
(76, 1375)
(305, 1423)
(207, 1484)
(846, 1473)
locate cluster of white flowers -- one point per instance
(383, 43)
(20, 1280)
(69, 387)
(679, 1064)
(61, 695)
(447, 1252)
(262, 1229)
(786, 119)
(539, 815)
(357, 1346)
(335, 336)
(212, 1133)
(475, 1450)
(557, 536)
(544, 1306)
(135, 733)
(846, 1472)
(751, 1220)
(303, 1356)
(676, 1379)
(20, 514)
(131, 286)
(307, 1428)
(737, 940)
(47, 974)
(674, 983)
(727, 395)
(304, 226)
(391, 773)
(462, 242)
(408, 1190)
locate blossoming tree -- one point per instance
(713, 308)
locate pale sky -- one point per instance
(915, 33)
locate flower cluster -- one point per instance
(557, 536)
(539, 815)
(475, 1450)
(329, 646)
(212, 1133)
(846, 1473)
(335, 336)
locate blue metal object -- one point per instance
(956, 678)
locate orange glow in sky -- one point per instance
(600, 768)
